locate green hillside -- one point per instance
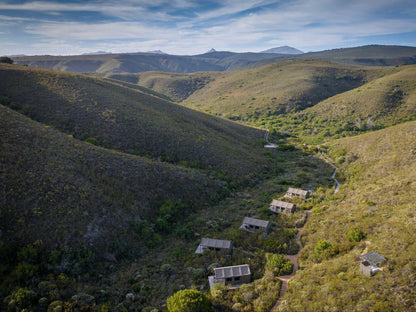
(54, 183)
(121, 118)
(377, 197)
(380, 103)
(176, 86)
(278, 88)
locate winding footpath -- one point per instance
(294, 258)
(266, 138)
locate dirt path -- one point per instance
(268, 144)
(294, 259)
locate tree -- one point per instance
(5, 59)
(189, 300)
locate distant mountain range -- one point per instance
(373, 55)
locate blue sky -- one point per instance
(61, 27)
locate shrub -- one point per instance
(189, 300)
(355, 235)
(7, 60)
(21, 299)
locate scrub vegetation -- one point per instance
(107, 187)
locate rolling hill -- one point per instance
(278, 88)
(64, 192)
(377, 198)
(125, 119)
(373, 55)
(380, 103)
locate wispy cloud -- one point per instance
(190, 26)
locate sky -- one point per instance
(189, 27)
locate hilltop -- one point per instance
(215, 61)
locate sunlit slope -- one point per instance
(278, 88)
(383, 101)
(60, 191)
(378, 199)
(120, 118)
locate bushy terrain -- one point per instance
(176, 86)
(377, 199)
(380, 103)
(107, 187)
(278, 88)
(121, 118)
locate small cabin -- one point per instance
(256, 225)
(293, 192)
(233, 276)
(369, 263)
(278, 206)
(214, 244)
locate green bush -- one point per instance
(355, 235)
(7, 60)
(21, 299)
(189, 300)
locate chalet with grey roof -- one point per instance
(293, 192)
(233, 276)
(214, 244)
(278, 206)
(369, 263)
(256, 225)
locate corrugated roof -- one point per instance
(215, 243)
(279, 203)
(232, 271)
(373, 258)
(256, 222)
(297, 191)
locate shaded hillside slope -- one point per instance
(67, 194)
(127, 120)
(141, 62)
(278, 88)
(380, 103)
(176, 86)
(377, 199)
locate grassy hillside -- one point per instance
(141, 62)
(89, 228)
(380, 103)
(377, 198)
(176, 86)
(124, 119)
(56, 183)
(278, 88)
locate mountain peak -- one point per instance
(211, 51)
(283, 50)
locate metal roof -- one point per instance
(373, 258)
(297, 191)
(215, 243)
(232, 271)
(279, 203)
(256, 222)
